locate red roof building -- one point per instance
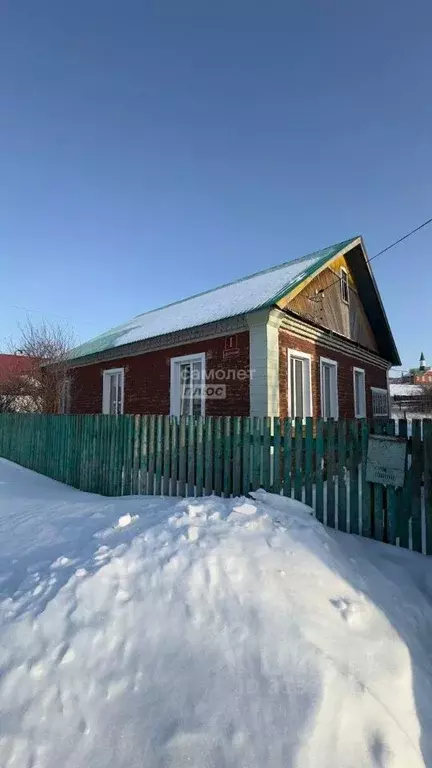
(13, 366)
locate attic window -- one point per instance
(344, 286)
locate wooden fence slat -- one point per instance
(174, 457)
(152, 455)
(416, 481)
(298, 454)
(331, 469)
(391, 499)
(309, 447)
(287, 457)
(237, 456)
(159, 455)
(199, 456)
(218, 457)
(256, 454)
(227, 459)
(266, 454)
(191, 456)
(209, 437)
(276, 455)
(319, 471)
(354, 476)
(136, 450)
(144, 456)
(182, 457)
(378, 496)
(246, 436)
(342, 475)
(366, 512)
(404, 495)
(166, 455)
(427, 463)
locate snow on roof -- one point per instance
(245, 295)
(405, 390)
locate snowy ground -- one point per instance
(150, 632)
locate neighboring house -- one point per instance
(15, 374)
(405, 397)
(420, 375)
(307, 338)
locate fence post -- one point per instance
(354, 485)
(298, 454)
(366, 512)
(319, 472)
(331, 501)
(427, 448)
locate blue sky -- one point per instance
(151, 150)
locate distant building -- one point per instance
(15, 382)
(409, 395)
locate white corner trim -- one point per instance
(335, 394)
(175, 380)
(106, 376)
(307, 382)
(264, 363)
(357, 413)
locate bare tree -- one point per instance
(44, 385)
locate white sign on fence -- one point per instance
(386, 460)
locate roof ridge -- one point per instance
(340, 245)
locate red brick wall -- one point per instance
(375, 377)
(147, 379)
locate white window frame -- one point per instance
(344, 277)
(107, 374)
(175, 380)
(359, 413)
(334, 395)
(380, 391)
(307, 381)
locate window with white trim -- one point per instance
(359, 384)
(113, 391)
(300, 387)
(344, 285)
(329, 389)
(187, 394)
(380, 406)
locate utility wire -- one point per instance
(368, 261)
(384, 250)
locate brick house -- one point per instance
(308, 337)
(16, 382)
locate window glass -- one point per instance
(299, 386)
(344, 285)
(359, 394)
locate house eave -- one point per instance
(227, 326)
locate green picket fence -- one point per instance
(320, 463)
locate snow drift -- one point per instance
(208, 632)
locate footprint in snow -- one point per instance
(349, 610)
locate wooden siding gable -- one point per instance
(319, 299)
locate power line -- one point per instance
(368, 261)
(51, 314)
(384, 250)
